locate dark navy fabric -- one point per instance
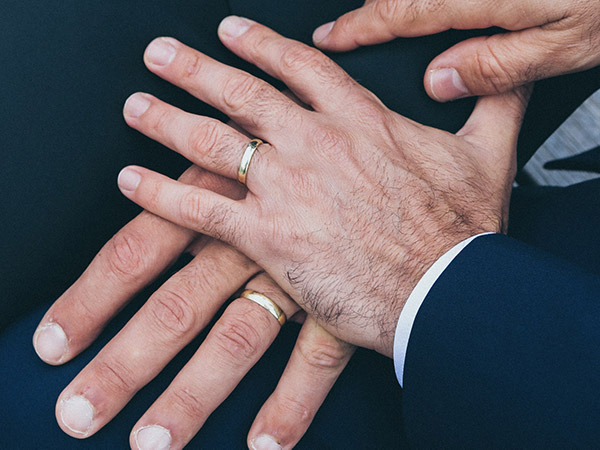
(504, 352)
(363, 410)
(66, 72)
(588, 161)
(66, 69)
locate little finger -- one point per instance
(198, 209)
(316, 362)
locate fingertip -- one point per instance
(320, 34)
(155, 437)
(160, 52)
(50, 343)
(129, 179)
(264, 442)
(445, 84)
(75, 415)
(232, 27)
(136, 105)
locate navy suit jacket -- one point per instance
(66, 73)
(505, 350)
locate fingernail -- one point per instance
(160, 52)
(234, 26)
(321, 33)
(153, 437)
(136, 105)
(50, 343)
(77, 414)
(264, 442)
(446, 84)
(128, 180)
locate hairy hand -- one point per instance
(348, 204)
(169, 320)
(544, 39)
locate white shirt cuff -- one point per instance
(416, 298)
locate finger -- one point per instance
(197, 209)
(316, 362)
(496, 120)
(205, 141)
(169, 320)
(384, 20)
(493, 129)
(253, 103)
(312, 76)
(129, 261)
(499, 63)
(236, 342)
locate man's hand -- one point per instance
(169, 320)
(348, 204)
(545, 39)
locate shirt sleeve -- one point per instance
(415, 300)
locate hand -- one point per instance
(545, 39)
(348, 204)
(169, 320)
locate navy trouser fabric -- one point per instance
(66, 70)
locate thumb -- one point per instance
(493, 130)
(366, 25)
(495, 64)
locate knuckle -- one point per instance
(115, 377)
(154, 194)
(387, 10)
(126, 253)
(239, 90)
(191, 207)
(331, 141)
(297, 58)
(188, 403)
(192, 66)
(204, 137)
(410, 10)
(323, 354)
(491, 69)
(209, 274)
(371, 112)
(240, 336)
(88, 316)
(160, 121)
(174, 313)
(289, 405)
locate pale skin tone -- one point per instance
(346, 207)
(170, 319)
(332, 354)
(543, 39)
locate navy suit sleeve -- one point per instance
(505, 352)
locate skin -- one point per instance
(170, 319)
(543, 39)
(347, 207)
(483, 65)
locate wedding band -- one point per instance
(266, 303)
(247, 158)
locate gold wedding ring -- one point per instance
(246, 159)
(266, 303)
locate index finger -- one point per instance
(383, 20)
